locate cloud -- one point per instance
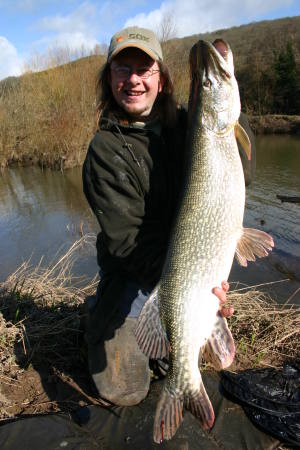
(10, 62)
(67, 36)
(79, 20)
(199, 16)
(75, 41)
(90, 18)
(71, 45)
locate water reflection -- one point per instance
(278, 163)
(278, 172)
(44, 211)
(41, 212)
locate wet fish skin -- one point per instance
(181, 314)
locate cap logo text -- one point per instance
(138, 36)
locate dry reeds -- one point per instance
(265, 332)
(48, 117)
(41, 313)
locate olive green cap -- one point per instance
(141, 38)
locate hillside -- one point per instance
(49, 117)
(253, 46)
(262, 38)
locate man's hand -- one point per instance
(221, 294)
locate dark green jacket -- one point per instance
(131, 178)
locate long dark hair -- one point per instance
(164, 105)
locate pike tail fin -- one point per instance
(199, 405)
(169, 416)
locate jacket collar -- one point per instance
(117, 119)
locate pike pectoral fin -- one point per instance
(150, 334)
(251, 244)
(219, 349)
(243, 139)
(168, 416)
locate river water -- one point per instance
(42, 213)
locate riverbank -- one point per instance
(275, 124)
(43, 352)
(64, 156)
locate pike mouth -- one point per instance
(221, 47)
(208, 58)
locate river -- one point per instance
(43, 212)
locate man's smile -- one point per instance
(133, 93)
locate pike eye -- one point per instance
(207, 83)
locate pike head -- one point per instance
(214, 101)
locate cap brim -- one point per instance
(152, 55)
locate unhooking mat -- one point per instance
(119, 428)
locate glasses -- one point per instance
(124, 72)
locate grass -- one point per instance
(266, 333)
(41, 314)
(41, 336)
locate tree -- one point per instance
(256, 84)
(286, 88)
(167, 27)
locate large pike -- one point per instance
(181, 318)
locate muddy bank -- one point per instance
(275, 124)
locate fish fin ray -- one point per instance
(219, 349)
(199, 405)
(253, 243)
(243, 138)
(150, 334)
(168, 416)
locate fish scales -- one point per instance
(196, 255)
(181, 318)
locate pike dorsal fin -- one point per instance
(243, 139)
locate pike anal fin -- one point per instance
(150, 334)
(169, 416)
(253, 243)
(219, 349)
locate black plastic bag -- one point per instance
(270, 398)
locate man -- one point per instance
(131, 177)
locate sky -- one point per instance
(32, 29)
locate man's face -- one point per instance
(134, 93)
